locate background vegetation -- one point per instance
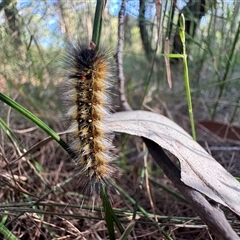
(33, 35)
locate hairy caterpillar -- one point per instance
(89, 77)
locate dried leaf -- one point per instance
(199, 170)
(225, 131)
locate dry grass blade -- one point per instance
(167, 62)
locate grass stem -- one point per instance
(186, 76)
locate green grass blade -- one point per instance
(128, 230)
(172, 55)
(8, 235)
(37, 121)
(186, 76)
(97, 26)
(8, 131)
(110, 215)
(108, 212)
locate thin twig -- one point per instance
(124, 105)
